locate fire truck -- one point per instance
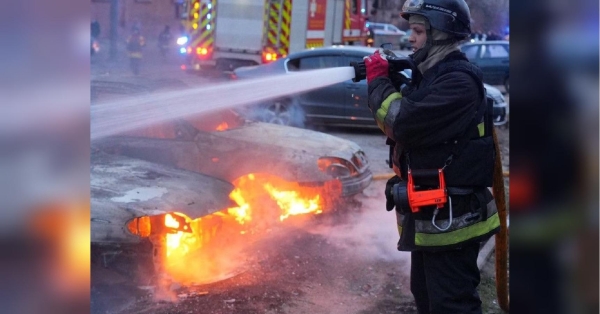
(227, 34)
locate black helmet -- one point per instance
(449, 16)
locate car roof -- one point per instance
(332, 50)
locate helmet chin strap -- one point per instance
(421, 54)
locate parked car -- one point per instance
(342, 104)
(385, 29)
(492, 58)
(385, 33)
(225, 146)
(404, 44)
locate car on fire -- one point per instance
(226, 146)
(130, 198)
(341, 104)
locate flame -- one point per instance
(242, 213)
(222, 127)
(171, 222)
(214, 244)
(292, 204)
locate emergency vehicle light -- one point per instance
(182, 40)
(201, 51)
(269, 56)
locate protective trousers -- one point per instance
(446, 281)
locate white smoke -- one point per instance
(372, 233)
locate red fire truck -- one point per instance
(232, 33)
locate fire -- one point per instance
(241, 213)
(222, 127)
(210, 249)
(292, 204)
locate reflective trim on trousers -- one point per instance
(457, 236)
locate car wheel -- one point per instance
(283, 111)
(506, 85)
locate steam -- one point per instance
(110, 118)
(372, 234)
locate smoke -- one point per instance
(280, 111)
(372, 233)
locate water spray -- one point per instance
(114, 117)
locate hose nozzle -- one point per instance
(396, 64)
(360, 71)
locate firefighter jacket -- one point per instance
(135, 43)
(440, 109)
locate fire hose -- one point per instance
(397, 64)
(502, 236)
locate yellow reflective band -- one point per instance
(383, 110)
(481, 129)
(399, 230)
(441, 239)
(380, 125)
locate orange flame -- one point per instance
(263, 200)
(292, 204)
(242, 213)
(222, 127)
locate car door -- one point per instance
(493, 62)
(356, 97)
(324, 104)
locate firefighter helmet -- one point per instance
(449, 16)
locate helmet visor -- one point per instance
(412, 5)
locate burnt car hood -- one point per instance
(310, 143)
(290, 153)
(123, 188)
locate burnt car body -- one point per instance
(226, 146)
(123, 189)
(342, 104)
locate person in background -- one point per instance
(95, 33)
(164, 41)
(135, 43)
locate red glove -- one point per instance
(377, 66)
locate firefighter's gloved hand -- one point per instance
(376, 65)
(389, 197)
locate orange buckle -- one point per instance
(418, 199)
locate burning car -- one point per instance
(124, 189)
(226, 146)
(189, 187)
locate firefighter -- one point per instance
(438, 123)
(135, 42)
(164, 41)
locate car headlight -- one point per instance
(336, 167)
(146, 226)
